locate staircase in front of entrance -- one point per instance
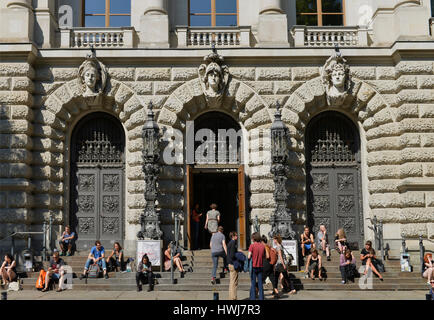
(199, 278)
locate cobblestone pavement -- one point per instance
(208, 295)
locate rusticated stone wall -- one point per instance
(392, 105)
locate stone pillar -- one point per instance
(17, 21)
(154, 25)
(273, 24)
(44, 14)
(16, 117)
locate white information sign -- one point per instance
(152, 248)
(291, 247)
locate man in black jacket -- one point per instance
(232, 249)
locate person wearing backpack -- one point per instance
(233, 273)
(280, 270)
(96, 257)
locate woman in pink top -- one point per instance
(347, 266)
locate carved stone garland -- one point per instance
(281, 221)
(150, 219)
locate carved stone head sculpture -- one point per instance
(336, 79)
(214, 77)
(93, 76)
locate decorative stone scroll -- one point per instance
(214, 78)
(93, 76)
(336, 79)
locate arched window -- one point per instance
(213, 13)
(106, 13)
(321, 12)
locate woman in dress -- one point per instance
(176, 260)
(212, 219)
(7, 270)
(116, 259)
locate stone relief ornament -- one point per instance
(336, 79)
(214, 78)
(93, 76)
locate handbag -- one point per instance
(279, 268)
(14, 286)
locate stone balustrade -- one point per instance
(221, 36)
(307, 36)
(97, 37)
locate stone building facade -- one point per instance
(383, 117)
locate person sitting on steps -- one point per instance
(323, 241)
(367, 255)
(428, 267)
(314, 265)
(307, 242)
(347, 266)
(55, 272)
(115, 260)
(7, 270)
(176, 260)
(144, 272)
(96, 256)
(66, 242)
(341, 241)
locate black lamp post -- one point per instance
(150, 219)
(281, 222)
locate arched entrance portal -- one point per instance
(216, 176)
(97, 174)
(333, 176)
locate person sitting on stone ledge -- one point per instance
(144, 274)
(96, 256)
(8, 270)
(66, 242)
(314, 265)
(55, 272)
(367, 255)
(116, 259)
(341, 242)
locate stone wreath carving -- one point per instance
(93, 76)
(336, 79)
(214, 78)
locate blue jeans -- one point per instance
(256, 275)
(101, 263)
(215, 261)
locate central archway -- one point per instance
(217, 176)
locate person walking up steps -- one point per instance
(257, 253)
(218, 249)
(212, 219)
(233, 275)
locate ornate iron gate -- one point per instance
(333, 177)
(97, 171)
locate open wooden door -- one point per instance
(242, 207)
(189, 203)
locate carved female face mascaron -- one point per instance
(89, 78)
(214, 80)
(338, 78)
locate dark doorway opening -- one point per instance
(221, 189)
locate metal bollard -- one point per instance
(4, 295)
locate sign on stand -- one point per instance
(291, 247)
(153, 248)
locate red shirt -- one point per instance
(258, 253)
(195, 215)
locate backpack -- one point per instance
(40, 282)
(94, 271)
(273, 256)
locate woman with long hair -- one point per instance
(341, 241)
(347, 266)
(367, 255)
(428, 267)
(280, 269)
(116, 259)
(176, 260)
(144, 272)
